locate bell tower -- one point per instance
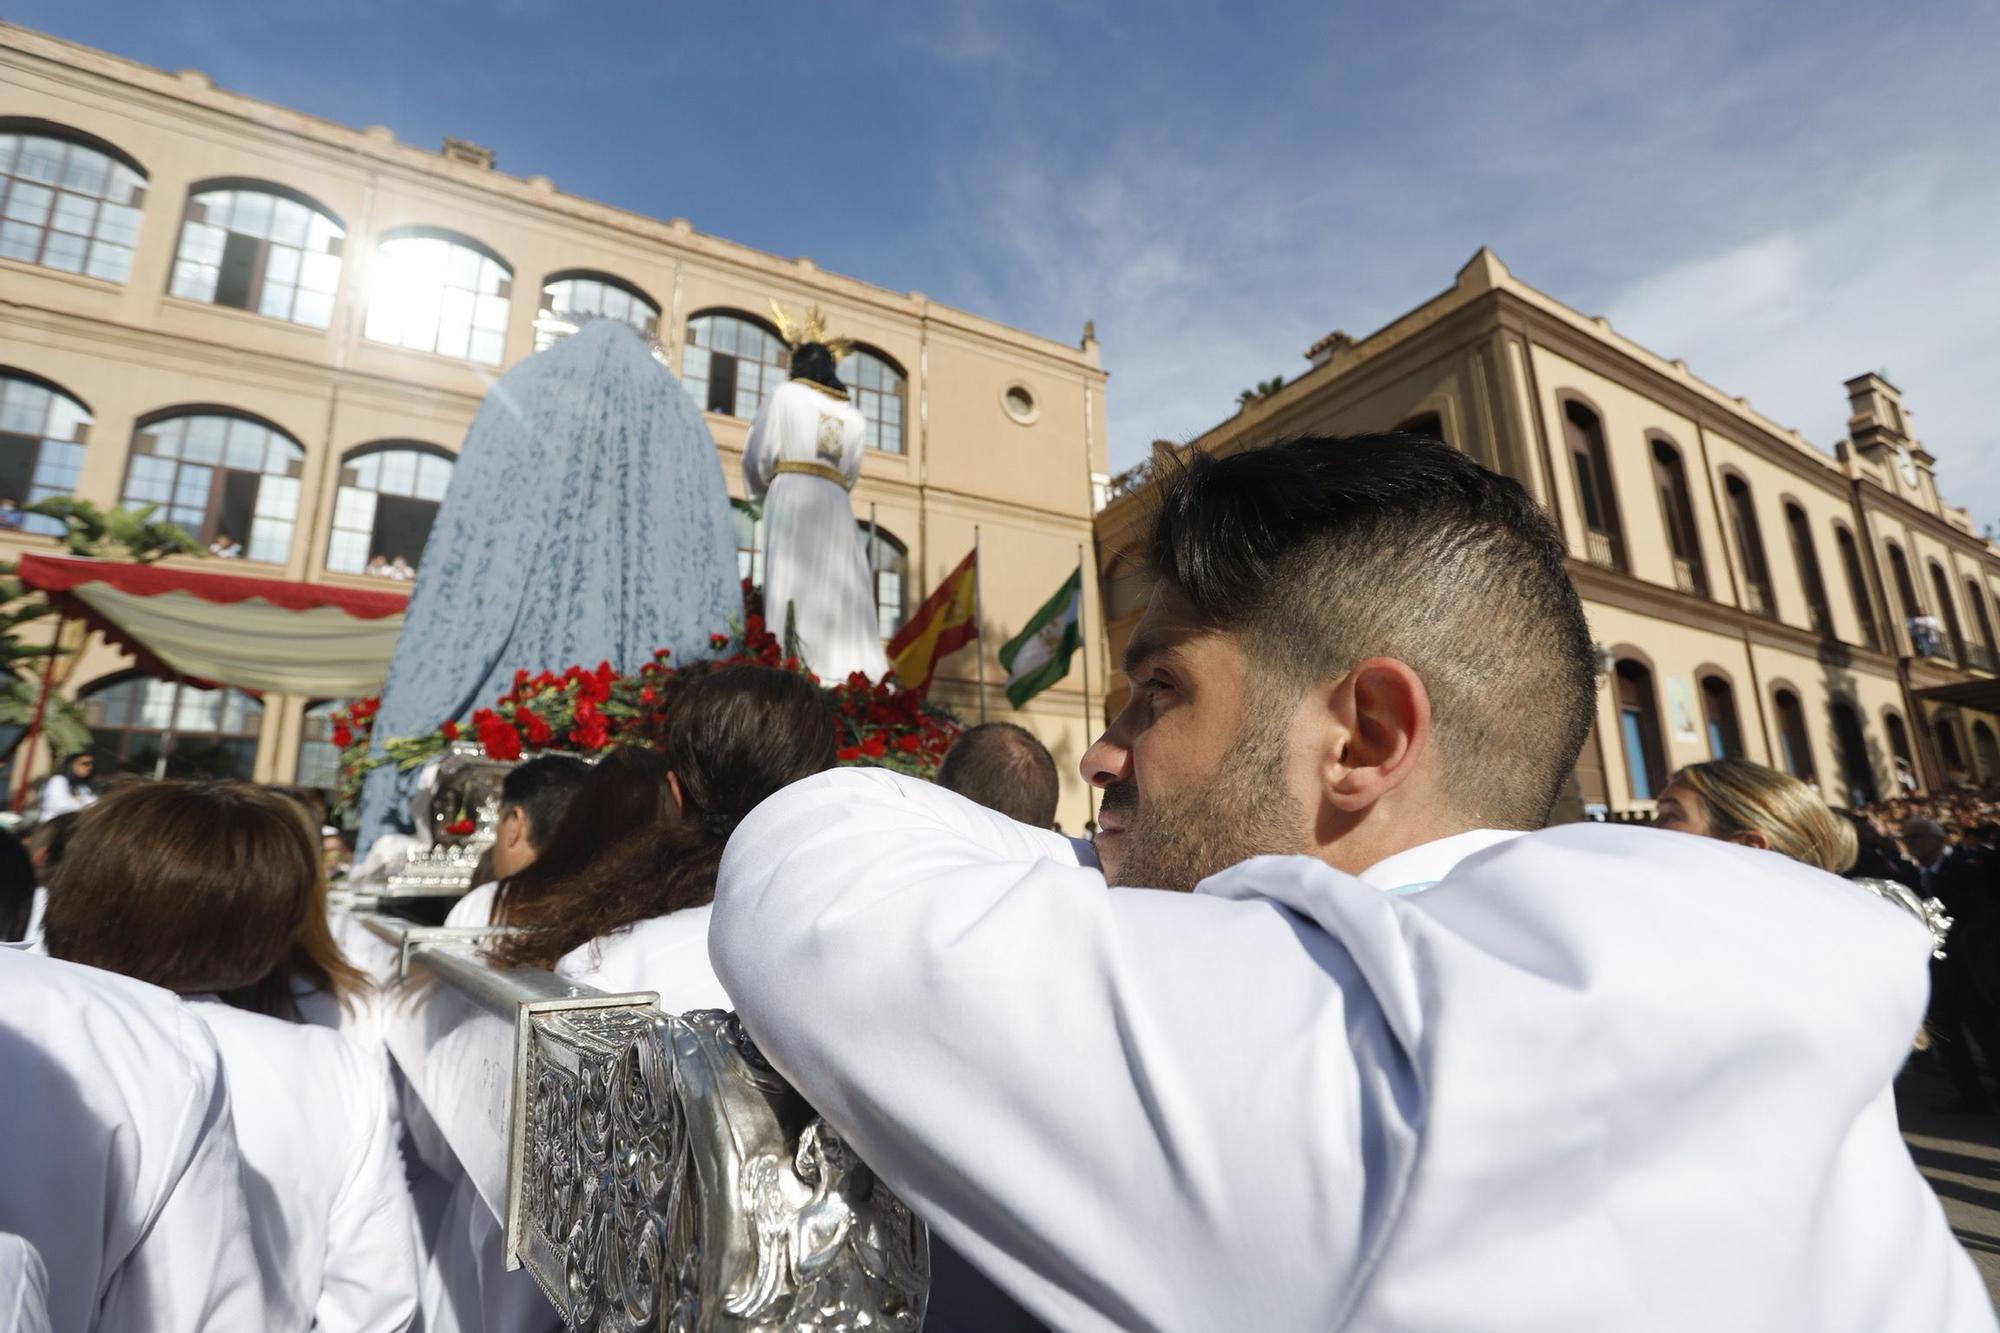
(1880, 430)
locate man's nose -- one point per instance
(1107, 760)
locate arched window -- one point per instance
(1988, 751)
(1856, 772)
(382, 514)
(570, 298)
(434, 291)
(253, 246)
(1718, 711)
(748, 522)
(1750, 545)
(1857, 585)
(1429, 425)
(214, 732)
(42, 436)
(1949, 605)
(67, 203)
(319, 757)
(1677, 514)
(1806, 556)
(1639, 724)
(731, 361)
(1906, 592)
(1899, 741)
(881, 391)
(220, 476)
(1585, 434)
(1794, 745)
(1949, 750)
(1977, 598)
(888, 562)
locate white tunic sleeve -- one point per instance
(762, 450)
(59, 798)
(1056, 1075)
(371, 1273)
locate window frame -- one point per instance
(1677, 514)
(41, 464)
(59, 188)
(119, 759)
(1805, 555)
(547, 316)
(1787, 741)
(220, 470)
(1651, 764)
(1750, 552)
(1857, 583)
(260, 268)
(874, 424)
(1730, 724)
(352, 457)
(473, 329)
(1596, 484)
(770, 374)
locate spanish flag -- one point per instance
(945, 623)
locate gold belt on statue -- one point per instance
(820, 470)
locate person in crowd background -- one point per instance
(1963, 1014)
(225, 547)
(1754, 806)
(22, 899)
(582, 815)
(217, 893)
(1396, 1060)
(1003, 767)
(69, 788)
(119, 1163)
(638, 919)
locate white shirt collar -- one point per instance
(1419, 867)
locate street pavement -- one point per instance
(1960, 1156)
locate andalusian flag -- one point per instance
(942, 625)
(1039, 655)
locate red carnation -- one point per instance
(592, 733)
(718, 640)
(460, 828)
(847, 754)
(874, 748)
(343, 735)
(908, 743)
(534, 729)
(502, 742)
(663, 653)
(649, 695)
(451, 731)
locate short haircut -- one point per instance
(543, 787)
(1318, 553)
(1003, 767)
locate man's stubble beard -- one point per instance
(1174, 841)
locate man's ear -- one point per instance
(674, 790)
(1384, 712)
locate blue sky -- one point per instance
(1784, 196)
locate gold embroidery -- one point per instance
(838, 395)
(820, 470)
(827, 446)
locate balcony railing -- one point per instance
(1759, 597)
(1688, 578)
(1927, 638)
(1980, 658)
(1603, 549)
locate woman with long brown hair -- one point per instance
(637, 918)
(218, 893)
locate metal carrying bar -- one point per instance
(652, 1170)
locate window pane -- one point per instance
(118, 224)
(29, 203)
(111, 262)
(433, 476)
(270, 539)
(63, 251)
(40, 160)
(354, 508)
(348, 552)
(86, 170)
(313, 309)
(288, 222)
(487, 348)
(245, 451)
(399, 472)
(278, 497)
(74, 213)
(252, 214)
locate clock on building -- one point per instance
(1908, 466)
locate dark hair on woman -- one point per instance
(622, 798)
(1315, 554)
(733, 738)
(816, 362)
(68, 769)
(47, 841)
(200, 887)
(17, 887)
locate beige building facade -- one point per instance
(1824, 612)
(279, 329)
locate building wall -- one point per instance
(128, 350)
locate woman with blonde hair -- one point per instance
(217, 892)
(1741, 802)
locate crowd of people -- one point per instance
(1322, 1029)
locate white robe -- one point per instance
(476, 907)
(118, 1157)
(1597, 1078)
(667, 954)
(815, 557)
(60, 798)
(24, 1287)
(328, 1205)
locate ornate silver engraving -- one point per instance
(669, 1179)
(464, 785)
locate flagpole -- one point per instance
(1089, 724)
(979, 618)
(875, 574)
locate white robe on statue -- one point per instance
(1596, 1078)
(328, 1206)
(118, 1158)
(814, 557)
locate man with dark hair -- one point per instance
(533, 797)
(1003, 767)
(1391, 1055)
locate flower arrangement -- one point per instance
(583, 710)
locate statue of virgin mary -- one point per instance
(802, 459)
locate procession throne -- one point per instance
(650, 1170)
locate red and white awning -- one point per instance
(261, 634)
